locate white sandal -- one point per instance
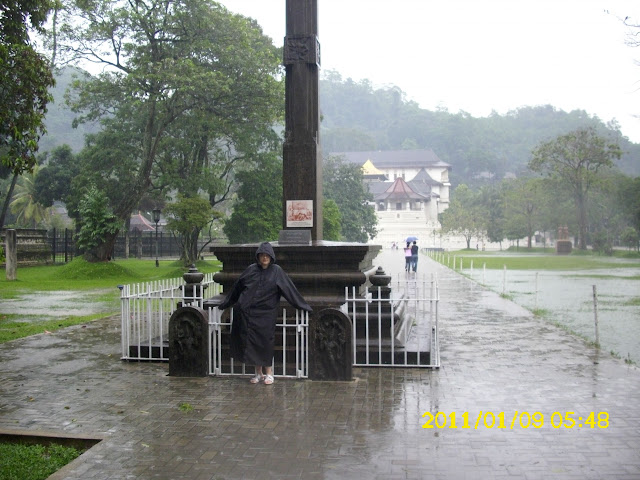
(257, 378)
(268, 379)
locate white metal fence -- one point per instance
(291, 356)
(145, 310)
(399, 331)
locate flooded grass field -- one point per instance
(567, 299)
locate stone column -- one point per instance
(302, 162)
(11, 254)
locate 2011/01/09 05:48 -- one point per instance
(519, 419)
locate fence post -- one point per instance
(595, 314)
(53, 245)
(504, 280)
(66, 247)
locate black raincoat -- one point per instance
(256, 295)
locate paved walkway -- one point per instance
(496, 358)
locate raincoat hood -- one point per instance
(265, 247)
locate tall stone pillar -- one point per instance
(302, 162)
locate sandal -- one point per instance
(268, 379)
(257, 378)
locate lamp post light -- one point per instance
(156, 218)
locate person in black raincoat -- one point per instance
(256, 295)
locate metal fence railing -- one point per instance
(291, 356)
(145, 311)
(400, 330)
(139, 245)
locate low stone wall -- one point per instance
(33, 246)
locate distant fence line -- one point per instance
(141, 245)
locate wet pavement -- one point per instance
(497, 359)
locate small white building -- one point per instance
(410, 188)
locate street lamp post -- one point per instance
(156, 218)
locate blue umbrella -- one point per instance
(411, 239)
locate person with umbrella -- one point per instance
(414, 257)
(407, 257)
(411, 254)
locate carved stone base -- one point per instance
(330, 346)
(188, 346)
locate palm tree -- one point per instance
(23, 205)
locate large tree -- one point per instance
(183, 82)
(187, 217)
(57, 169)
(343, 183)
(25, 77)
(577, 159)
(525, 202)
(464, 215)
(257, 212)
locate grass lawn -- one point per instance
(96, 282)
(33, 462)
(539, 259)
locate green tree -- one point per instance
(576, 158)
(463, 217)
(492, 201)
(187, 217)
(257, 212)
(629, 200)
(331, 229)
(53, 181)
(29, 212)
(343, 183)
(96, 221)
(524, 204)
(183, 77)
(630, 238)
(25, 77)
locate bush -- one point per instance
(601, 243)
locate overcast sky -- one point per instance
(481, 55)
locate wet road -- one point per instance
(497, 359)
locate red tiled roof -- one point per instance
(400, 190)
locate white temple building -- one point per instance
(410, 188)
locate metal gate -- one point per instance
(291, 357)
(396, 329)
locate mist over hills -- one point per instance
(357, 117)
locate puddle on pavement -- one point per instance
(58, 304)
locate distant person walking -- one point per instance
(414, 256)
(407, 257)
(257, 293)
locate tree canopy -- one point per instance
(578, 159)
(343, 183)
(257, 212)
(188, 92)
(25, 77)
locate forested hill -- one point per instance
(59, 118)
(357, 117)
